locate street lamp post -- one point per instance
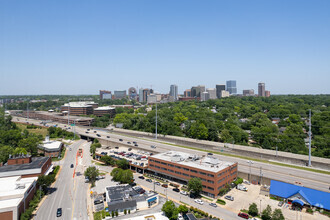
(250, 162)
(260, 207)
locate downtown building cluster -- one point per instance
(200, 92)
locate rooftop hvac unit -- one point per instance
(20, 185)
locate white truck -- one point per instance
(241, 187)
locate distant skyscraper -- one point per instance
(212, 93)
(231, 87)
(205, 96)
(102, 92)
(261, 89)
(219, 88)
(146, 92)
(187, 93)
(174, 92)
(248, 92)
(195, 91)
(267, 93)
(132, 93)
(120, 94)
(141, 95)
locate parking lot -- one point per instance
(135, 156)
(242, 200)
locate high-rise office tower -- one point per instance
(212, 93)
(174, 92)
(248, 92)
(231, 87)
(205, 96)
(141, 95)
(103, 92)
(261, 89)
(219, 88)
(187, 93)
(146, 92)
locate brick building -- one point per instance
(15, 195)
(79, 108)
(50, 148)
(26, 166)
(100, 111)
(181, 167)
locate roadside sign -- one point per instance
(72, 125)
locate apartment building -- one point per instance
(181, 167)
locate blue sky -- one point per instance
(79, 47)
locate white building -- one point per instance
(15, 195)
(212, 93)
(205, 96)
(224, 94)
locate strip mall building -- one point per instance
(181, 167)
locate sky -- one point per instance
(80, 47)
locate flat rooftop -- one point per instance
(51, 145)
(12, 190)
(36, 163)
(60, 115)
(104, 108)
(207, 163)
(79, 104)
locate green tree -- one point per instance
(127, 176)
(5, 151)
(278, 215)
(182, 209)
(108, 160)
(91, 172)
(45, 181)
(170, 210)
(116, 174)
(195, 186)
(253, 209)
(123, 164)
(267, 213)
(198, 131)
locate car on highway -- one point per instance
(157, 183)
(95, 131)
(71, 165)
(141, 177)
(149, 180)
(117, 147)
(176, 190)
(129, 149)
(231, 198)
(120, 139)
(98, 135)
(213, 205)
(86, 132)
(136, 145)
(59, 212)
(198, 201)
(108, 136)
(280, 204)
(134, 142)
(183, 193)
(153, 146)
(243, 215)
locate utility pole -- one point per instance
(156, 121)
(69, 116)
(260, 175)
(310, 138)
(27, 110)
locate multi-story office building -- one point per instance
(231, 87)
(104, 110)
(120, 94)
(187, 93)
(224, 94)
(196, 91)
(205, 96)
(132, 93)
(174, 92)
(141, 95)
(248, 92)
(181, 167)
(267, 93)
(220, 88)
(79, 108)
(212, 93)
(107, 96)
(145, 94)
(104, 92)
(261, 89)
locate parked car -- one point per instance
(165, 185)
(129, 149)
(95, 131)
(117, 147)
(231, 198)
(243, 215)
(108, 136)
(59, 212)
(132, 184)
(128, 142)
(180, 217)
(141, 177)
(153, 146)
(213, 205)
(280, 203)
(120, 139)
(183, 193)
(199, 201)
(71, 165)
(157, 183)
(176, 190)
(136, 145)
(149, 180)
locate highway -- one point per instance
(291, 175)
(68, 193)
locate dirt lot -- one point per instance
(242, 200)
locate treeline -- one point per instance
(14, 141)
(55, 132)
(243, 120)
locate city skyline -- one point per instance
(78, 48)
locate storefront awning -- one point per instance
(152, 199)
(299, 202)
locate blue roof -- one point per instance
(314, 197)
(298, 201)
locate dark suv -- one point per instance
(59, 212)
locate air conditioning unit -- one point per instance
(20, 185)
